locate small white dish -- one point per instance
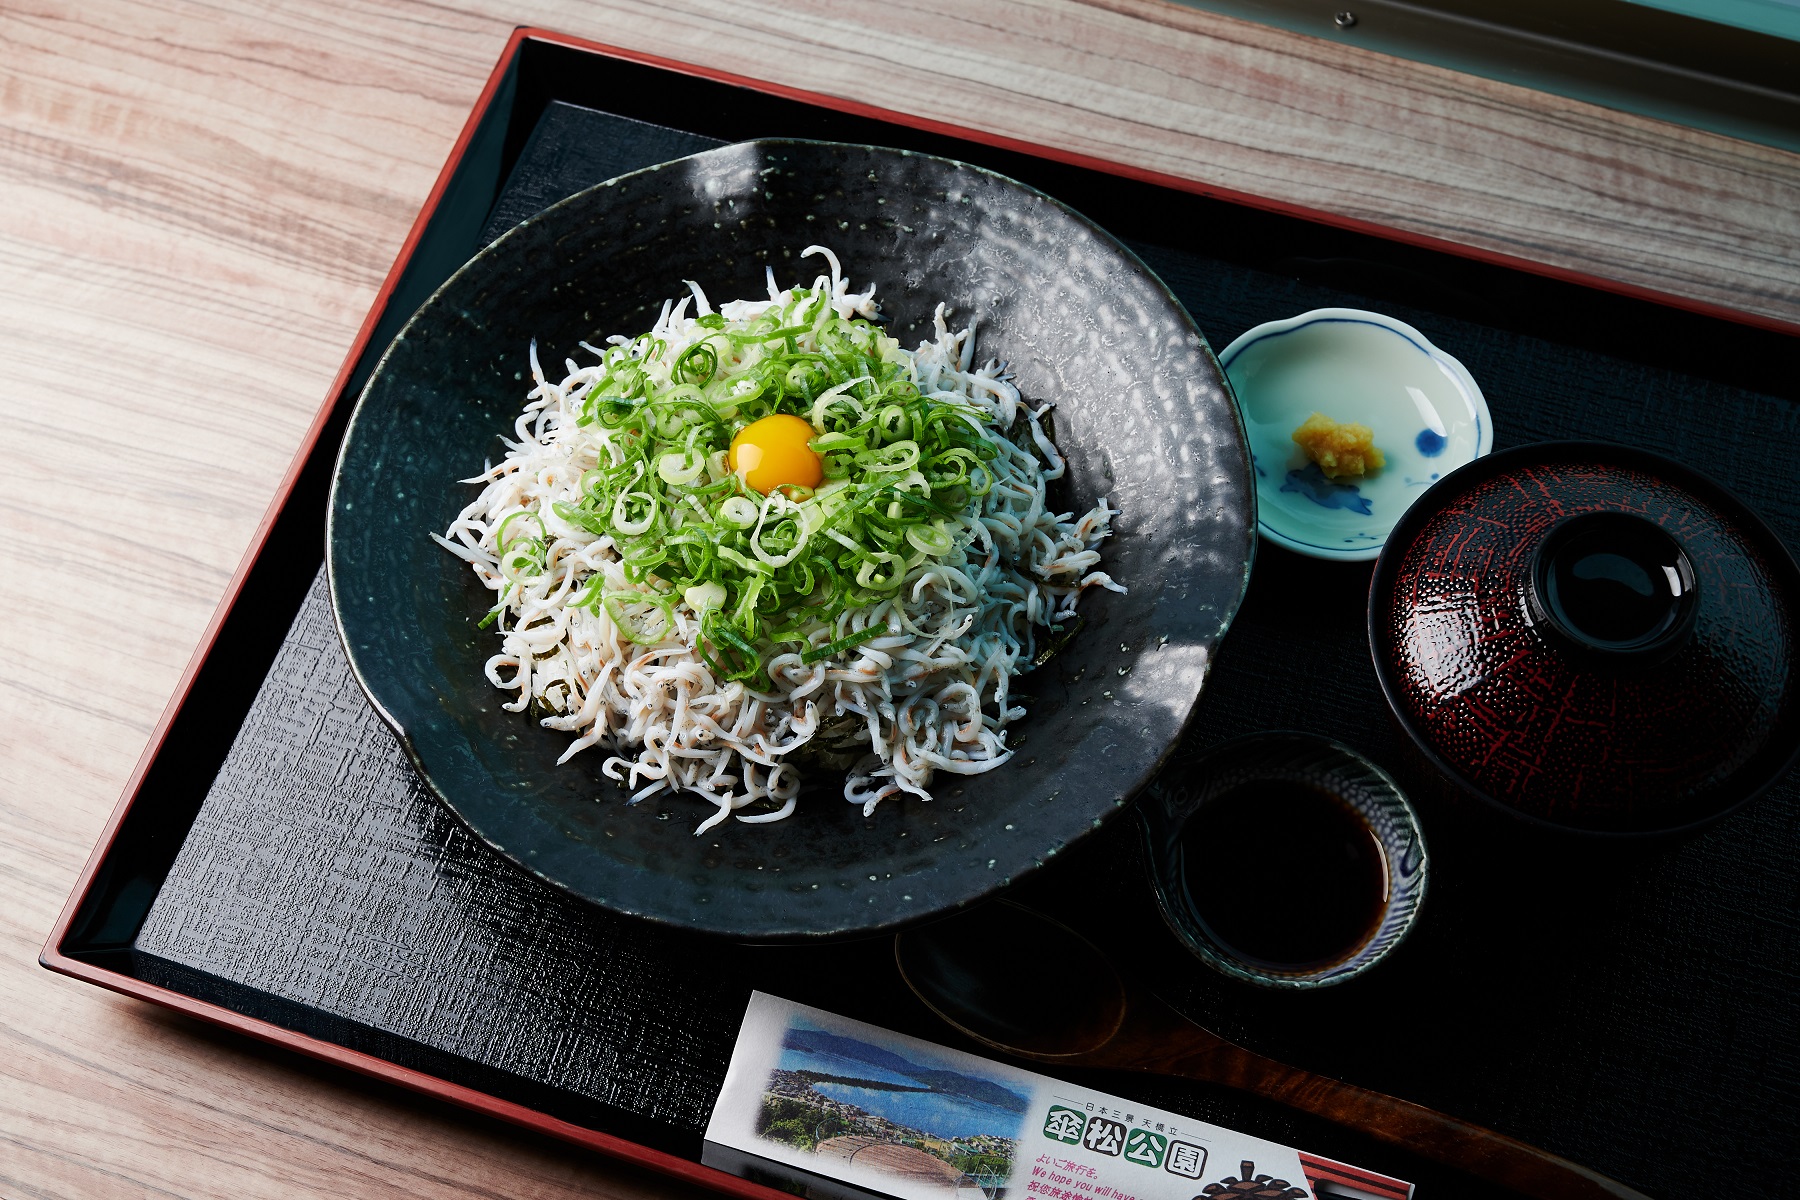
(1426, 412)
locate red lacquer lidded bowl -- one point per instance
(1592, 637)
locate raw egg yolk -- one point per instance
(772, 452)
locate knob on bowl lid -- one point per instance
(1591, 636)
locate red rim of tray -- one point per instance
(52, 956)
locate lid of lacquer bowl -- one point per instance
(1591, 636)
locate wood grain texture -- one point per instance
(197, 204)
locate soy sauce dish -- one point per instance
(1427, 415)
(1283, 859)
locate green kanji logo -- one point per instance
(1146, 1149)
(1064, 1125)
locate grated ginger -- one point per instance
(1340, 450)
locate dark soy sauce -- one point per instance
(1286, 876)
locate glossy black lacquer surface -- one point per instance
(1142, 416)
(967, 968)
(1635, 1014)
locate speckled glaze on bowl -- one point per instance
(1183, 787)
(1542, 710)
(1143, 415)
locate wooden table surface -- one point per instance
(198, 200)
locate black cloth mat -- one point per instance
(1635, 1012)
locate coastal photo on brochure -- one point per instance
(906, 1115)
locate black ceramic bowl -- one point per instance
(1143, 416)
(1593, 638)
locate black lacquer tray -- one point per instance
(275, 867)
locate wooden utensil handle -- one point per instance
(1425, 1132)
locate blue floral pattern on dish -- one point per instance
(1310, 482)
(1426, 413)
